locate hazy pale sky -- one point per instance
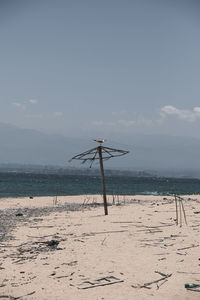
(88, 67)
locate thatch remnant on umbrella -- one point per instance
(100, 153)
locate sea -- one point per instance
(31, 184)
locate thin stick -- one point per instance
(101, 232)
(193, 246)
(103, 240)
(158, 286)
(180, 212)
(155, 281)
(184, 212)
(176, 209)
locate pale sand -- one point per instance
(94, 246)
(89, 199)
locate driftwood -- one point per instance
(146, 244)
(193, 246)
(15, 298)
(102, 232)
(166, 224)
(193, 273)
(30, 250)
(8, 246)
(179, 253)
(40, 237)
(63, 276)
(149, 229)
(153, 231)
(123, 222)
(156, 281)
(87, 284)
(49, 226)
(72, 263)
(161, 253)
(146, 285)
(156, 227)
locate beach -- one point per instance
(66, 248)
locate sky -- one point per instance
(101, 68)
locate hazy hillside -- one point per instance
(33, 147)
(24, 146)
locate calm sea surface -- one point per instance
(21, 185)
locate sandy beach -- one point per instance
(51, 251)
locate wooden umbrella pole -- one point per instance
(103, 180)
(105, 153)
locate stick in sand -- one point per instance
(184, 212)
(179, 200)
(176, 209)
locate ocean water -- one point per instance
(27, 184)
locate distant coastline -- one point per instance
(50, 169)
(86, 171)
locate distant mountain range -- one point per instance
(162, 154)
